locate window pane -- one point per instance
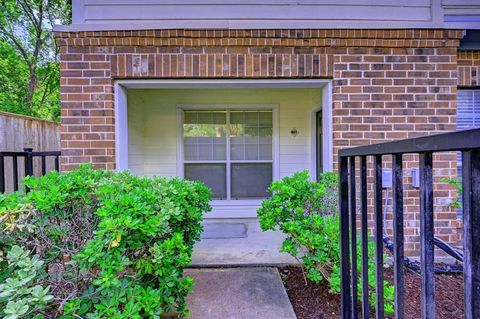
(265, 135)
(190, 117)
(205, 152)
(237, 118)
(219, 152)
(204, 130)
(249, 130)
(237, 152)
(190, 152)
(212, 175)
(265, 151)
(251, 118)
(251, 152)
(265, 118)
(250, 180)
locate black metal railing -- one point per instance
(468, 142)
(28, 156)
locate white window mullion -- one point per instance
(227, 166)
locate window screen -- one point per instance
(212, 175)
(251, 180)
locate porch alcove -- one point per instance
(151, 141)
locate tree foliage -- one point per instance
(29, 68)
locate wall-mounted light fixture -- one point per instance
(294, 132)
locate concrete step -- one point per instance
(238, 293)
(239, 242)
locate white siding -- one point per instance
(135, 141)
(461, 13)
(253, 14)
(153, 125)
(148, 12)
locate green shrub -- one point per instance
(114, 244)
(56, 217)
(306, 211)
(457, 184)
(19, 295)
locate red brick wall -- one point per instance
(468, 67)
(395, 93)
(387, 84)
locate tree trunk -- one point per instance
(32, 86)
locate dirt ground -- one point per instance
(314, 301)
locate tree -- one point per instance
(25, 28)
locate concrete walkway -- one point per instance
(238, 293)
(239, 242)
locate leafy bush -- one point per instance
(57, 216)
(306, 211)
(19, 295)
(456, 202)
(114, 244)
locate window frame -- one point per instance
(474, 91)
(274, 108)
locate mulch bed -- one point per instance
(314, 301)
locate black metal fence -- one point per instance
(28, 156)
(468, 142)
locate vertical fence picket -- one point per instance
(398, 255)
(15, 173)
(28, 156)
(28, 164)
(466, 141)
(44, 165)
(471, 224)
(57, 163)
(344, 240)
(379, 305)
(28, 161)
(426, 236)
(364, 235)
(353, 237)
(2, 174)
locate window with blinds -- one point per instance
(468, 109)
(468, 116)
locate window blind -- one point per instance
(468, 116)
(468, 109)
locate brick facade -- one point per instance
(387, 84)
(468, 67)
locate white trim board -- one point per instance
(121, 114)
(221, 84)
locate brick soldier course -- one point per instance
(387, 84)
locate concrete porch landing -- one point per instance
(239, 242)
(238, 293)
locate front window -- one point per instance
(230, 151)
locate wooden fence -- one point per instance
(18, 132)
